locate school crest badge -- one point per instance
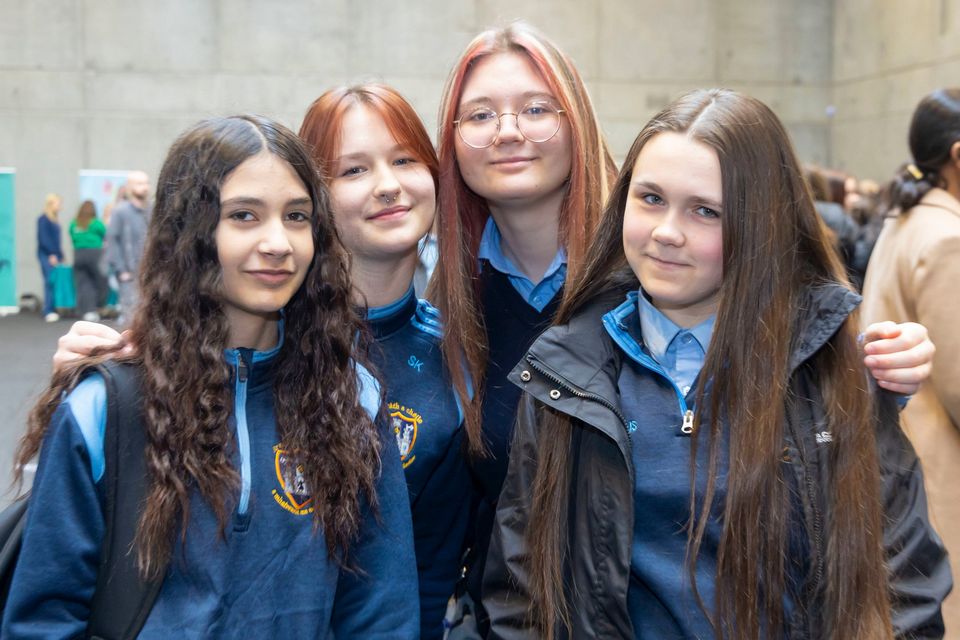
(406, 425)
(294, 494)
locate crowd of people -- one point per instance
(106, 250)
(631, 404)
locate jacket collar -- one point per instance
(581, 355)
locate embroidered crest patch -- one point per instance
(294, 494)
(406, 425)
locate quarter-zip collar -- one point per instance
(250, 368)
(390, 318)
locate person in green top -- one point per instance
(87, 233)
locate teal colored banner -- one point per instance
(8, 247)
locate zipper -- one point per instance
(243, 434)
(583, 395)
(616, 330)
(687, 426)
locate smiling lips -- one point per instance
(513, 161)
(665, 264)
(390, 213)
(272, 277)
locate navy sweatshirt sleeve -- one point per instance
(380, 600)
(56, 573)
(48, 238)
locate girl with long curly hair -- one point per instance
(698, 452)
(524, 175)
(272, 506)
(376, 156)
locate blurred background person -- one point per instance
(87, 233)
(827, 198)
(913, 276)
(49, 251)
(125, 236)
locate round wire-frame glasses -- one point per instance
(537, 121)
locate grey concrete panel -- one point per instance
(176, 35)
(40, 34)
(133, 142)
(572, 25)
(148, 92)
(27, 89)
(644, 41)
(396, 40)
(303, 36)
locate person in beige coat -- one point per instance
(914, 275)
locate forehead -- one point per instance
(501, 75)
(362, 127)
(261, 175)
(677, 159)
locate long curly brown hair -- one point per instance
(180, 333)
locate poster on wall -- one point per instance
(103, 187)
(8, 257)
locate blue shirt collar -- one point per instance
(659, 330)
(492, 251)
(538, 295)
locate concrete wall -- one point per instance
(887, 56)
(107, 84)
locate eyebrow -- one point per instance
(248, 201)
(358, 155)
(526, 96)
(653, 186)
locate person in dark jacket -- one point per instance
(49, 252)
(275, 501)
(703, 458)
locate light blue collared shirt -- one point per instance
(679, 351)
(537, 295)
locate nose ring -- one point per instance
(388, 198)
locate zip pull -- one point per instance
(687, 427)
(242, 368)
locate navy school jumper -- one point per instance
(427, 421)
(270, 577)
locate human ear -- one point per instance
(955, 152)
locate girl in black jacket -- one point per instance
(706, 459)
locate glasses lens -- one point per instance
(538, 121)
(478, 128)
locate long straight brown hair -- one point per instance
(461, 213)
(180, 333)
(774, 250)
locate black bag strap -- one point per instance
(122, 600)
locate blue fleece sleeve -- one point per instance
(56, 573)
(48, 238)
(380, 601)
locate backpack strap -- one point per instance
(122, 600)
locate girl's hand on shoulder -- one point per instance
(899, 356)
(83, 338)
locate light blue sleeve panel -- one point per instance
(88, 404)
(56, 572)
(369, 392)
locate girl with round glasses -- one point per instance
(524, 174)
